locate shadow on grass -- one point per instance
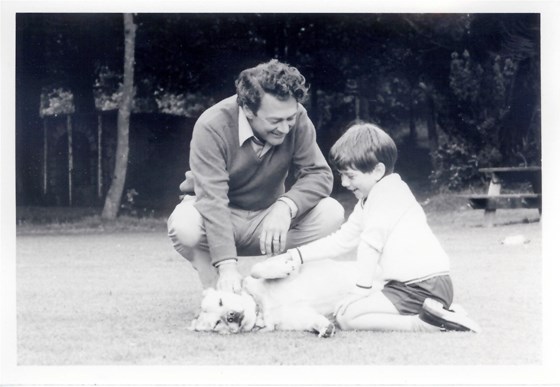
(39, 220)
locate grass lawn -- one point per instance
(89, 294)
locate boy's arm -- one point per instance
(332, 246)
(344, 240)
(367, 262)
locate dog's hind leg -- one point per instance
(320, 324)
(327, 331)
(306, 319)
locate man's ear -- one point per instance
(248, 112)
(379, 171)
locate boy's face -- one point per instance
(360, 183)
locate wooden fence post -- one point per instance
(99, 156)
(45, 157)
(70, 157)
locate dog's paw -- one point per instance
(280, 266)
(328, 331)
(192, 326)
(266, 328)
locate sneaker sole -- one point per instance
(433, 313)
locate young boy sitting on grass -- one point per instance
(393, 242)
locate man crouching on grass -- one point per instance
(241, 152)
(395, 246)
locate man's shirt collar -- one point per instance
(246, 133)
(245, 130)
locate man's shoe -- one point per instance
(434, 313)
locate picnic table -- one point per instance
(494, 198)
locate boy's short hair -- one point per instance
(273, 77)
(362, 147)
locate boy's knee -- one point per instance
(184, 225)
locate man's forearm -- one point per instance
(211, 188)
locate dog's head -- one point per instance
(225, 312)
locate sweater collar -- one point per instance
(386, 182)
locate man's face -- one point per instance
(274, 119)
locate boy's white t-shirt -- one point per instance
(391, 229)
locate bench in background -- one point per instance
(494, 199)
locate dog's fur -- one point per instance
(303, 301)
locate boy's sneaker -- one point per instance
(457, 309)
(434, 313)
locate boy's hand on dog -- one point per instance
(229, 278)
(275, 229)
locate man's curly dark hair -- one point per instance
(273, 77)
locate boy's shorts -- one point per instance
(409, 297)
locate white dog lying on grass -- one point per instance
(303, 301)
(303, 298)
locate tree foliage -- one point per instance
(490, 112)
(471, 79)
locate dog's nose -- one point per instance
(234, 317)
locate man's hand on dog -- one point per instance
(280, 266)
(275, 229)
(229, 278)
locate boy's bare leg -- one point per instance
(377, 312)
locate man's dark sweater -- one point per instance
(227, 174)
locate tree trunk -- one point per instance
(364, 109)
(45, 157)
(357, 107)
(99, 156)
(432, 128)
(70, 157)
(285, 41)
(114, 196)
(413, 132)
